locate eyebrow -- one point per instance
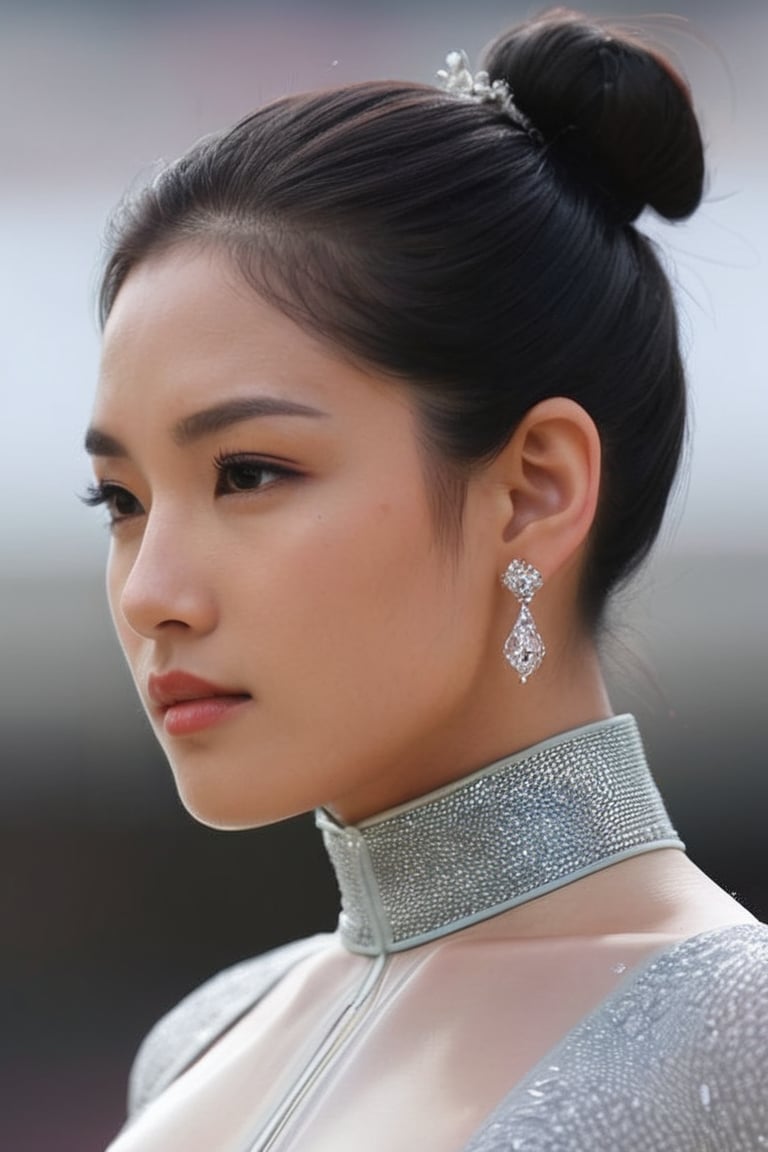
(208, 420)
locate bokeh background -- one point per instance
(112, 902)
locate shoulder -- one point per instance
(182, 1035)
(694, 1029)
(716, 984)
(676, 1060)
(713, 1000)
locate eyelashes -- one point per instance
(236, 474)
(243, 473)
(119, 502)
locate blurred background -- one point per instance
(113, 903)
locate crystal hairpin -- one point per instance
(458, 79)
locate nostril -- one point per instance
(165, 600)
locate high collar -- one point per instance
(520, 828)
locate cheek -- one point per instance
(358, 614)
(115, 583)
(118, 569)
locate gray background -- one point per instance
(112, 902)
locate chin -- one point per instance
(228, 809)
(227, 814)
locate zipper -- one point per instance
(349, 1019)
(338, 1035)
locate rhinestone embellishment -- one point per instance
(510, 832)
(523, 580)
(524, 649)
(458, 79)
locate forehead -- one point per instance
(185, 326)
(188, 315)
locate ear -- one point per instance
(549, 473)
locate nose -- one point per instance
(168, 581)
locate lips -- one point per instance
(187, 703)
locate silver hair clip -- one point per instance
(457, 79)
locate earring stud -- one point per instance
(524, 649)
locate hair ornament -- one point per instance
(457, 79)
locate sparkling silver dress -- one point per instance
(399, 1032)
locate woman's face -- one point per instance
(273, 539)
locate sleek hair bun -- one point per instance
(612, 110)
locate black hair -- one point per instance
(486, 263)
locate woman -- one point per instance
(391, 399)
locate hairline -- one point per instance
(445, 480)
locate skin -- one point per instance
(370, 654)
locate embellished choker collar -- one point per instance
(520, 828)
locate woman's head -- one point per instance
(482, 286)
(435, 240)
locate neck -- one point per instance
(522, 827)
(497, 718)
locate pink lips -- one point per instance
(189, 704)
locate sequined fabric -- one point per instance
(521, 827)
(668, 1055)
(677, 1061)
(198, 1020)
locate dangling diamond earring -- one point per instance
(524, 648)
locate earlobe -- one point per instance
(552, 475)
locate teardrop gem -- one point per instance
(524, 648)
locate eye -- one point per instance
(119, 502)
(248, 474)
